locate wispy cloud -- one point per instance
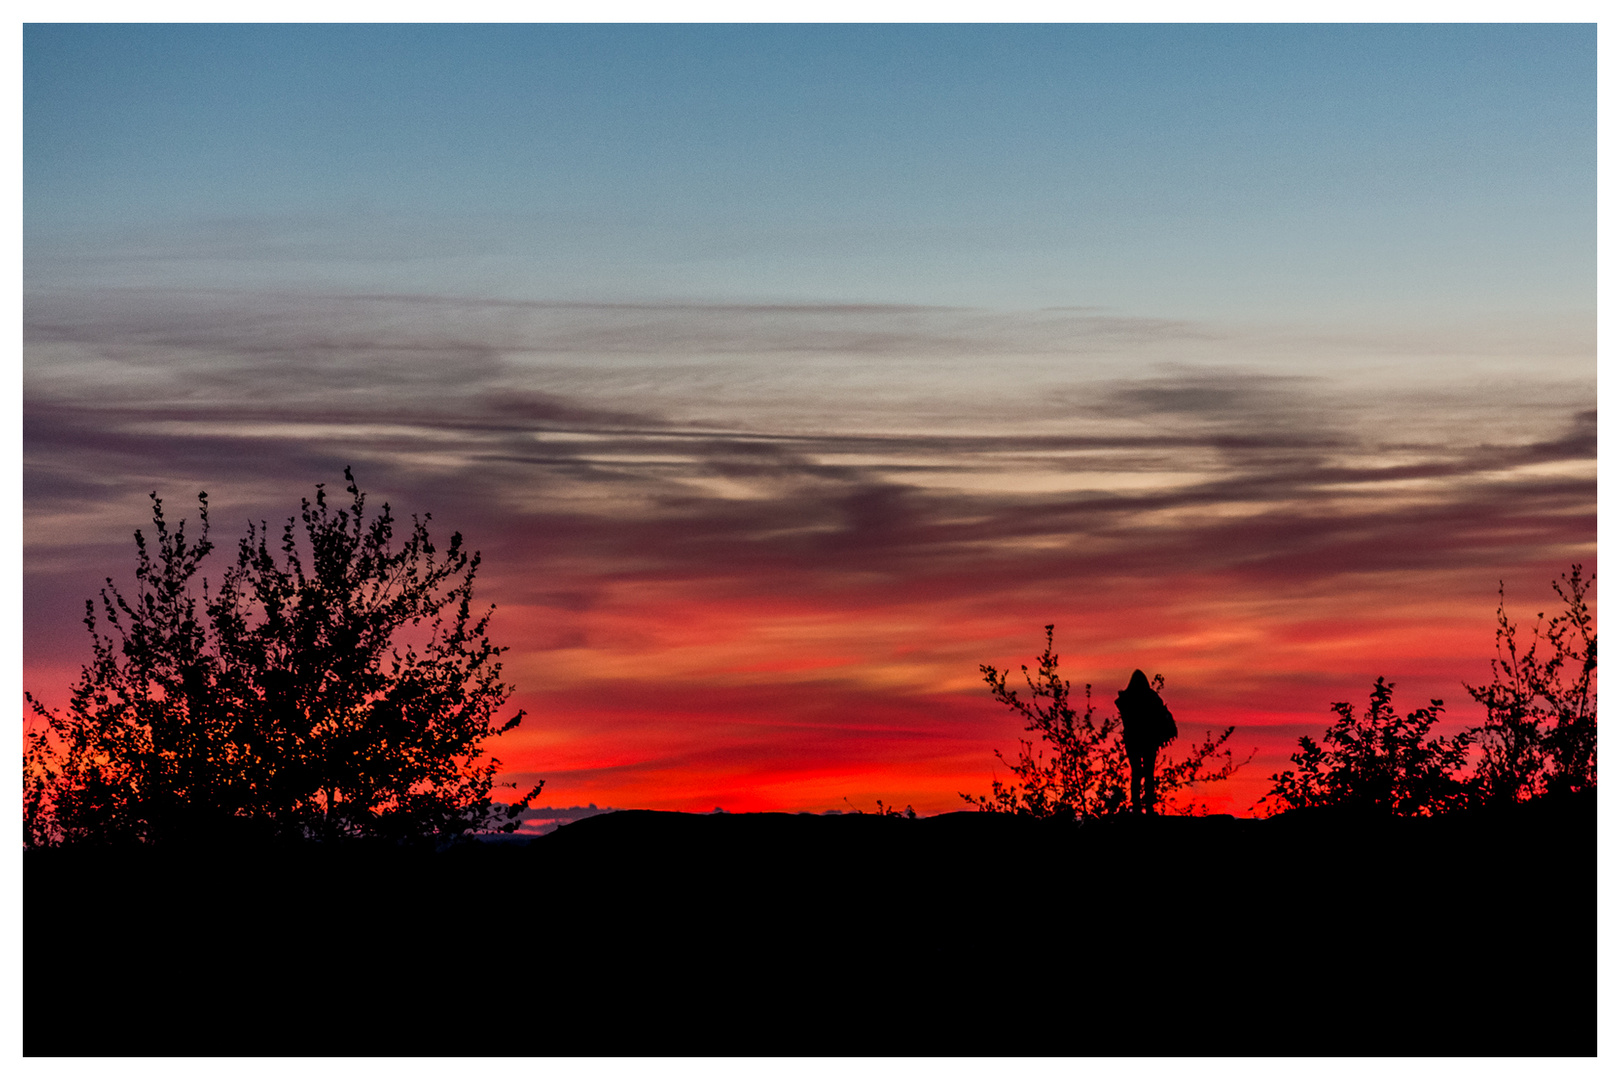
(610, 496)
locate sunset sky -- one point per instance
(786, 374)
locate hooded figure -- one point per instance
(1148, 726)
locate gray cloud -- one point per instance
(807, 513)
(266, 324)
(1218, 468)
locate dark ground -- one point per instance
(656, 933)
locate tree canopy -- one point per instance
(335, 684)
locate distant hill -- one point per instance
(640, 932)
(540, 820)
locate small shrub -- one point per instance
(1379, 762)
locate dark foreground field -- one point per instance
(654, 933)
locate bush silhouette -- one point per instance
(1377, 762)
(1539, 736)
(335, 685)
(1089, 773)
(1540, 729)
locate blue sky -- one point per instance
(1278, 172)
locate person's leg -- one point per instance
(1136, 783)
(1150, 783)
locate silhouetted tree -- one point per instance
(1378, 762)
(1089, 772)
(1540, 730)
(336, 685)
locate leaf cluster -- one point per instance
(338, 683)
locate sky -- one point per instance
(786, 374)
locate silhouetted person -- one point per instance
(1148, 726)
